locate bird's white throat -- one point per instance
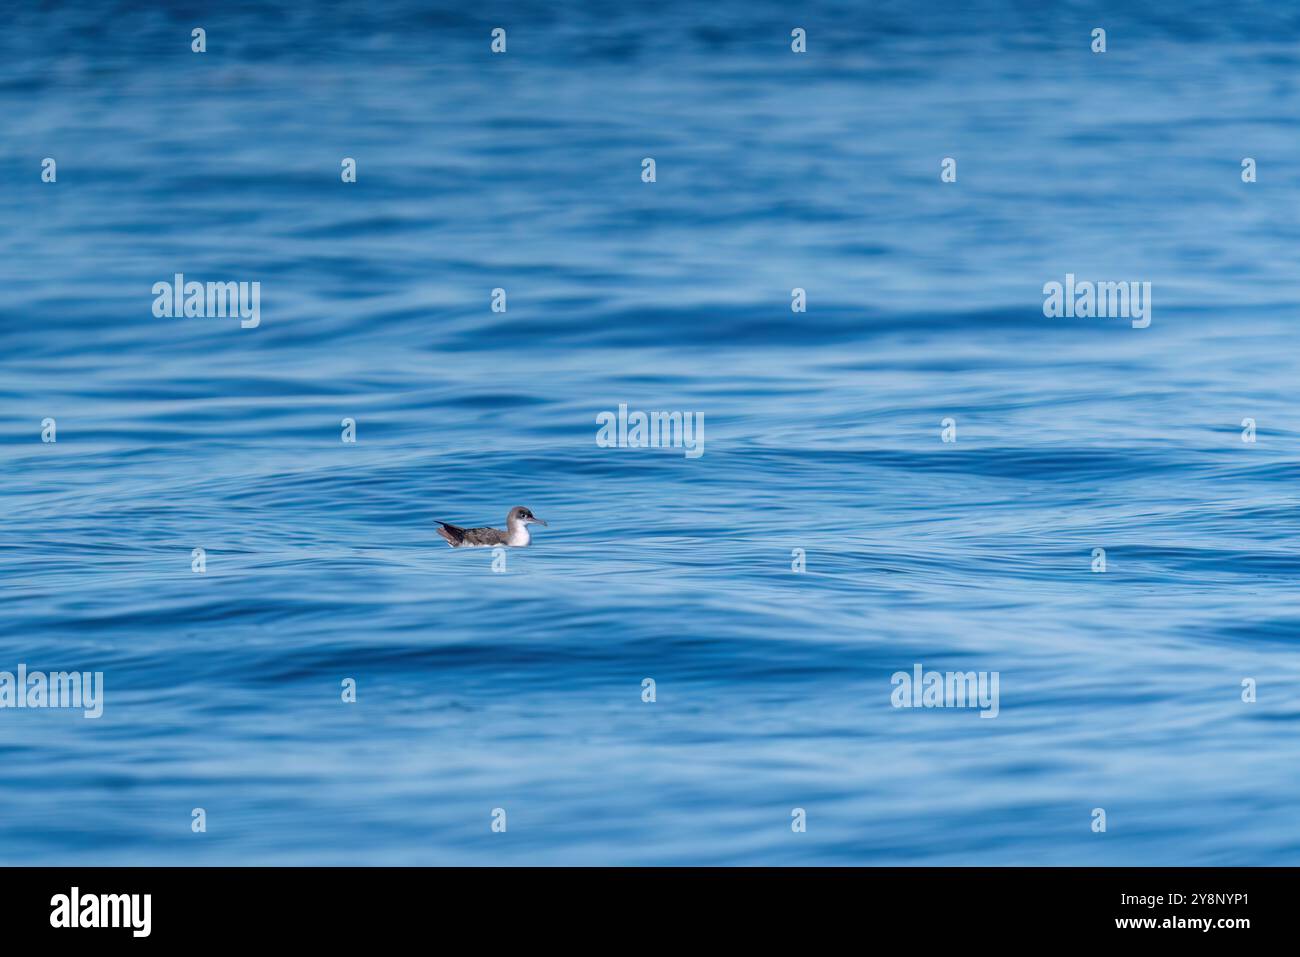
(518, 535)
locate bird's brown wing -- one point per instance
(483, 536)
(457, 537)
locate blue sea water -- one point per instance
(523, 690)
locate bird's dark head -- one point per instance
(519, 515)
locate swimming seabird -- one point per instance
(515, 535)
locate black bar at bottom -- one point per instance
(338, 906)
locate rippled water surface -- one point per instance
(522, 690)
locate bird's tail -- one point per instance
(453, 534)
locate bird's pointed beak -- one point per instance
(538, 521)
